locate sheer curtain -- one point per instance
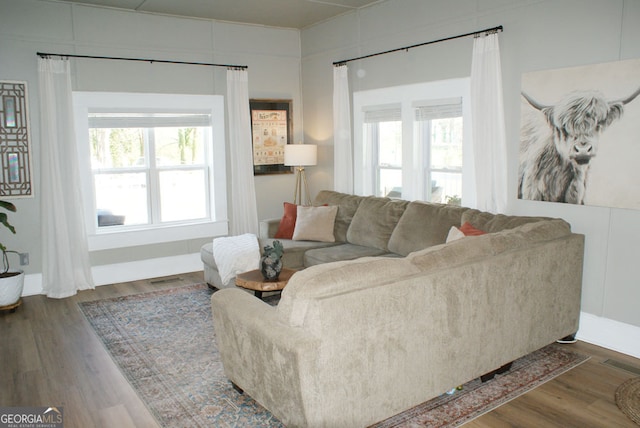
(489, 141)
(244, 212)
(342, 147)
(65, 268)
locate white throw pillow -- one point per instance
(315, 223)
(454, 234)
(236, 254)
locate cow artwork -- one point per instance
(559, 142)
(554, 167)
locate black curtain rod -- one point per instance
(45, 55)
(406, 48)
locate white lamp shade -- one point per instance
(300, 154)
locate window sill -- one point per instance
(130, 238)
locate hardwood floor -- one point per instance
(50, 356)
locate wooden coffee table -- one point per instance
(253, 280)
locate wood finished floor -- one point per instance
(50, 356)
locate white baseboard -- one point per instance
(130, 271)
(610, 334)
(32, 284)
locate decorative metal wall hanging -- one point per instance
(15, 149)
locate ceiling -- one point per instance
(274, 13)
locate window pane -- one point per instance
(117, 147)
(182, 195)
(179, 146)
(446, 187)
(446, 143)
(122, 195)
(390, 183)
(390, 144)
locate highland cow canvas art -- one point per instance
(580, 135)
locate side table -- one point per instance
(253, 280)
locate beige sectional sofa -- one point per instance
(409, 317)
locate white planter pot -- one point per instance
(11, 289)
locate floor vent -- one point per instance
(168, 279)
(623, 366)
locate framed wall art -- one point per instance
(579, 135)
(271, 130)
(15, 148)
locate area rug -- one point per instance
(628, 399)
(164, 344)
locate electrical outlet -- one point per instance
(24, 259)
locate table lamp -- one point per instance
(299, 156)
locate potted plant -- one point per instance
(11, 282)
(271, 263)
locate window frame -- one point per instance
(414, 157)
(109, 237)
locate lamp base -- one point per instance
(297, 194)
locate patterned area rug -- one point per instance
(164, 344)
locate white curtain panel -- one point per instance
(342, 145)
(244, 212)
(489, 141)
(65, 267)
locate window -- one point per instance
(151, 163)
(383, 131)
(439, 129)
(411, 142)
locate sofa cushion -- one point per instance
(422, 225)
(527, 234)
(293, 257)
(288, 222)
(347, 206)
(339, 252)
(315, 224)
(452, 254)
(496, 222)
(374, 221)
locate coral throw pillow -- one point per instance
(469, 230)
(288, 222)
(465, 230)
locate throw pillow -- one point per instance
(288, 222)
(236, 254)
(454, 234)
(315, 224)
(468, 230)
(465, 230)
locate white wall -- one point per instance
(538, 35)
(30, 26)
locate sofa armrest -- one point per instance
(268, 227)
(262, 354)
